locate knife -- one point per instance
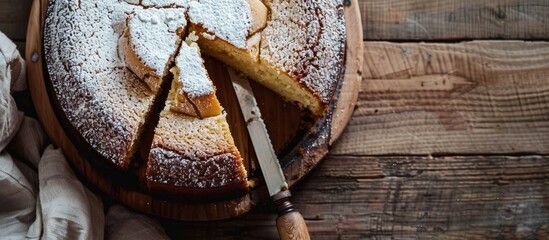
(290, 223)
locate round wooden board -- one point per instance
(284, 122)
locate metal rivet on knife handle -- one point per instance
(34, 57)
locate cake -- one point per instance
(150, 41)
(105, 103)
(193, 153)
(297, 52)
(194, 93)
(113, 63)
(193, 157)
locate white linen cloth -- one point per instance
(40, 197)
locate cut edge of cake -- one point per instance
(148, 75)
(180, 142)
(310, 85)
(249, 62)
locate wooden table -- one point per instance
(450, 138)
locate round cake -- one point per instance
(124, 70)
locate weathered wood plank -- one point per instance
(13, 18)
(455, 19)
(472, 197)
(469, 98)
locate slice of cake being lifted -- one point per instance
(195, 92)
(193, 153)
(150, 42)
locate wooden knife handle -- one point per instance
(290, 223)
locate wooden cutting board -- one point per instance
(300, 141)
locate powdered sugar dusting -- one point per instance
(192, 73)
(153, 35)
(230, 20)
(180, 170)
(103, 100)
(306, 39)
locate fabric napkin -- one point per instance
(40, 197)
(11, 74)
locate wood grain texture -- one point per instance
(292, 226)
(469, 98)
(455, 19)
(473, 197)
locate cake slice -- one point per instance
(195, 92)
(193, 152)
(150, 41)
(302, 51)
(294, 49)
(194, 158)
(233, 36)
(102, 105)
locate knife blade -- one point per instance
(268, 161)
(290, 223)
